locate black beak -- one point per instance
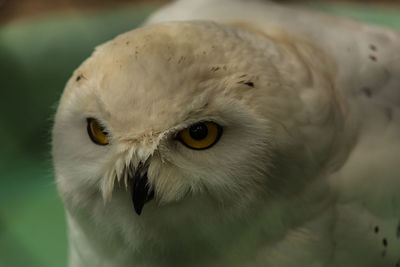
(140, 189)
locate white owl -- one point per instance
(244, 133)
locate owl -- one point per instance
(233, 133)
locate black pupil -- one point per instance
(198, 131)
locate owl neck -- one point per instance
(299, 224)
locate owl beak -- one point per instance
(140, 190)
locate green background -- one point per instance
(37, 56)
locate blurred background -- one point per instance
(41, 43)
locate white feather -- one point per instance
(305, 172)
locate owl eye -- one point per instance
(96, 132)
(201, 135)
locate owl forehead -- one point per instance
(147, 81)
(143, 108)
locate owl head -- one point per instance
(197, 115)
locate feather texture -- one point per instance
(304, 174)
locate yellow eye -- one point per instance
(96, 132)
(200, 135)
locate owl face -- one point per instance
(179, 111)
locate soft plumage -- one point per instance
(305, 172)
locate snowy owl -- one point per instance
(233, 133)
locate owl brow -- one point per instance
(196, 111)
(102, 106)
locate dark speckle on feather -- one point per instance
(376, 229)
(214, 69)
(248, 83)
(387, 73)
(80, 77)
(372, 47)
(389, 113)
(373, 58)
(182, 58)
(367, 91)
(251, 84)
(397, 263)
(385, 242)
(398, 231)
